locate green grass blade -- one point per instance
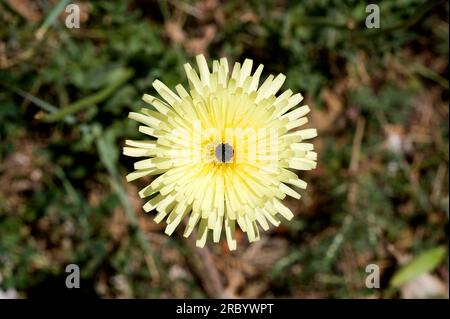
(424, 263)
(50, 108)
(51, 18)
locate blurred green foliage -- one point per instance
(61, 191)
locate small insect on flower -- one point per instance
(224, 151)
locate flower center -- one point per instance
(224, 152)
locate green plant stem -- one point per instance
(91, 99)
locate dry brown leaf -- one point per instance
(117, 225)
(325, 120)
(27, 9)
(248, 16)
(198, 45)
(175, 32)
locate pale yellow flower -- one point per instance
(223, 151)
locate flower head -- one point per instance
(224, 151)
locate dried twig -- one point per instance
(203, 265)
(352, 194)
